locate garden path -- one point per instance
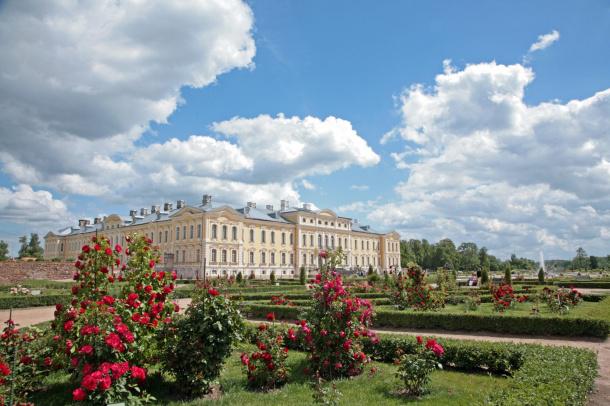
(601, 396)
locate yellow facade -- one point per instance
(223, 241)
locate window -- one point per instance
(177, 233)
(339, 241)
(214, 231)
(283, 258)
(192, 232)
(224, 256)
(160, 237)
(234, 233)
(165, 239)
(283, 238)
(251, 257)
(273, 258)
(311, 260)
(355, 244)
(304, 259)
(319, 222)
(291, 259)
(198, 256)
(291, 242)
(252, 236)
(304, 240)
(319, 240)
(356, 258)
(177, 258)
(198, 230)
(311, 221)
(345, 242)
(326, 223)
(184, 232)
(332, 242)
(183, 256)
(273, 237)
(367, 245)
(213, 255)
(311, 240)
(234, 256)
(362, 244)
(326, 241)
(224, 232)
(263, 236)
(263, 259)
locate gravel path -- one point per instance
(601, 396)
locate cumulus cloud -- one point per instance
(308, 185)
(544, 41)
(24, 205)
(485, 166)
(81, 81)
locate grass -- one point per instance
(447, 387)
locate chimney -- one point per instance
(133, 213)
(167, 207)
(284, 205)
(207, 199)
(307, 206)
(155, 208)
(83, 223)
(179, 204)
(97, 220)
(251, 205)
(269, 207)
(143, 212)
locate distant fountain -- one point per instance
(542, 262)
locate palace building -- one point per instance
(222, 240)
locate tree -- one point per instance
(3, 251)
(593, 263)
(23, 250)
(302, 275)
(370, 271)
(272, 277)
(34, 248)
(239, 279)
(581, 260)
(507, 274)
(541, 275)
(484, 276)
(468, 256)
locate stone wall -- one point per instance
(15, 271)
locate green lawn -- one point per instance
(448, 387)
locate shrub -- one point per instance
(25, 359)
(302, 276)
(508, 279)
(266, 368)
(199, 343)
(239, 278)
(541, 275)
(484, 276)
(472, 301)
(272, 278)
(335, 325)
(561, 300)
(252, 276)
(370, 271)
(415, 368)
(412, 292)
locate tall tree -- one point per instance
(468, 256)
(445, 254)
(3, 250)
(593, 262)
(581, 260)
(34, 248)
(23, 249)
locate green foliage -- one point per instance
(3, 250)
(541, 275)
(31, 248)
(266, 368)
(415, 368)
(240, 278)
(201, 341)
(302, 275)
(370, 271)
(508, 279)
(272, 278)
(581, 260)
(484, 277)
(446, 280)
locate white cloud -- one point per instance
(544, 41)
(360, 188)
(359, 206)
(485, 166)
(24, 205)
(308, 185)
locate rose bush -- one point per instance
(266, 367)
(335, 324)
(198, 343)
(411, 291)
(504, 297)
(415, 369)
(107, 340)
(561, 300)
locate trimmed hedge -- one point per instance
(584, 284)
(32, 301)
(531, 325)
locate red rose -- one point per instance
(213, 292)
(68, 325)
(86, 248)
(138, 373)
(323, 254)
(148, 288)
(47, 361)
(118, 248)
(271, 316)
(244, 359)
(108, 251)
(86, 349)
(105, 383)
(25, 360)
(79, 395)
(97, 247)
(419, 340)
(151, 264)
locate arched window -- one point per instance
(251, 235)
(234, 256)
(234, 233)
(263, 259)
(214, 231)
(224, 232)
(213, 255)
(224, 256)
(251, 257)
(283, 258)
(273, 258)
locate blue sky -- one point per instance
(353, 61)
